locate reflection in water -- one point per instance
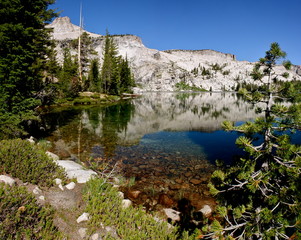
(164, 140)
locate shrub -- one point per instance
(22, 218)
(28, 162)
(104, 206)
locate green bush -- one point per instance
(104, 206)
(28, 162)
(22, 218)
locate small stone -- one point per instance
(126, 203)
(37, 191)
(179, 180)
(95, 236)
(198, 167)
(83, 217)
(175, 187)
(70, 186)
(187, 174)
(31, 140)
(165, 200)
(7, 180)
(195, 181)
(172, 214)
(121, 195)
(82, 232)
(53, 156)
(134, 194)
(206, 210)
(58, 181)
(116, 180)
(42, 198)
(61, 187)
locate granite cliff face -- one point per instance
(156, 70)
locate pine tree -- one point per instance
(86, 52)
(68, 76)
(94, 76)
(126, 78)
(116, 75)
(259, 196)
(24, 46)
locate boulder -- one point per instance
(53, 156)
(75, 170)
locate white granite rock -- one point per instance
(95, 236)
(75, 170)
(82, 218)
(61, 187)
(42, 198)
(172, 214)
(70, 186)
(126, 203)
(121, 195)
(206, 210)
(58, 181)
(53, 156)
(37, 191)
(31, 140)
(7, 180)
(82, 232)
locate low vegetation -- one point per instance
(21, 217)
(28, 162)
(105, 207)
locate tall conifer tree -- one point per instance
(24, 45)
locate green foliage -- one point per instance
(28, 162)
(104, 206)
(21, 217)
(94, 76)
(259, 195)
(68, 76)
(24, 49)
(116, 75)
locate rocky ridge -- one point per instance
(156, 70)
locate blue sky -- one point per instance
(245, 28)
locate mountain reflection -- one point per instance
(156, 112)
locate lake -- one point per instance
(167, 141)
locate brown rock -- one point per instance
(188, 174)
(175, 187)
(179, 180)
(134, 194)
(165, 200)
(195, 181)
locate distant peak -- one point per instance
(61, 20)
(64, 29)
